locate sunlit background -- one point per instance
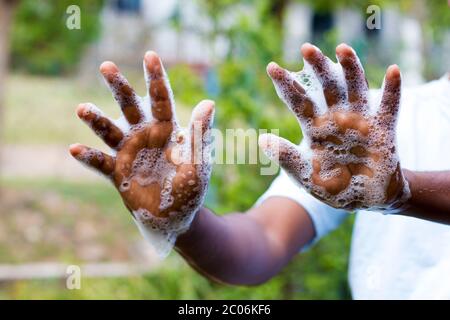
(55, 213)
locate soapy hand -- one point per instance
(348, 156)
(160, 170)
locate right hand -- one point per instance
(348, 157)
(161, 172)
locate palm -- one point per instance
(146, 176)
(161, 171)
(348, 156)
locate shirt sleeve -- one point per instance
(324, 217)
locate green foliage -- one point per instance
(41, 42)
(188, 87)
(247, 99)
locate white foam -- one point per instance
(162, 232)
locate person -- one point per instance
(350, 162)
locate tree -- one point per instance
(41, 42)
(6, 17)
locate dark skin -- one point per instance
(249, 248)
(369, 137)
(246, 248)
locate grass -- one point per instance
(54, 220)
(179, 283)
(319, 273)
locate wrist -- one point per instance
(186, 237)
(402, 201)
(163, 232)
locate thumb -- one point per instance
(200, 129)
(285, 153)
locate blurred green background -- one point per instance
(52, 211)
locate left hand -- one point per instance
(160, 171)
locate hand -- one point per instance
(348, 157)
(161, 172)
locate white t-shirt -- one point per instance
(392, 256)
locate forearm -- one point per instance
(232, 249)
(430, 195)
(246, 248)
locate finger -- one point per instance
(93, 158)
(100, 124)
(390, 101)
(158, 87)
(200, 127)
(322, 67)
(125, 96)
(291, 92)
(357, 86)
(286, 154)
